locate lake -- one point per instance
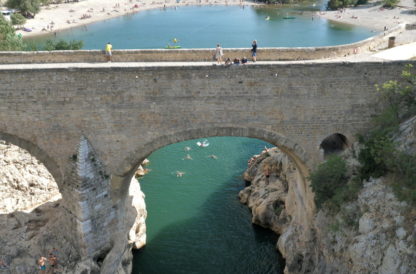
(205, 26)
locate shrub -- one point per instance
(380, 155)
(63, 45)
(27, 7)
(390, 3)
(8, 39)
(17, 19)
(328, 178)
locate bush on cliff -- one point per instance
(380, 155)
(328, 179)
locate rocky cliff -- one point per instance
(374, 234)
(31, 213)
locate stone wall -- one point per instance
(198, 55)
(128, 111)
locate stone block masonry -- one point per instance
(127, 111)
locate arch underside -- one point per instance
(295, 152)
(35, 151)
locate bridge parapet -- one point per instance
(198, 55)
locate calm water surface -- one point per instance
(205, 26)
(196, 223)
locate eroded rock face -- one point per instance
(24, 182)
(374, 234)
(25, 236)
(278, 200)
(137, 234)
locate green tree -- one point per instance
(17, 19)
(27, 7)
(8, 39)
(337, 4)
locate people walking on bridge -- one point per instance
(108, 49)
(218, 54)
(254, 50)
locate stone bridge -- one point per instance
(92, 124)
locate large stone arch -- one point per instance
(38, 153)
(289, 146)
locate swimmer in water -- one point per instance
(179, 173)
(187, 157)
(213, 156)
(187, 148)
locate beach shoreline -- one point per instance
(55, 18)
(58, 17)
(373, 15)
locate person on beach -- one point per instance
(254, 50)
(108, 49)
(53, 262)
(218, 54)
(42, 265)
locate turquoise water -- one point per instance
(205, 26)
(196, 223)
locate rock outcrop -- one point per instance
(31, 218)
(24, 182)
(374, 234)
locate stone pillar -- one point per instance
(104, 213)
(87, 205)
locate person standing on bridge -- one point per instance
(218, 53)
(108, 49)
(254, 50)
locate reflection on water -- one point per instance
(204, 27)
(196, 223)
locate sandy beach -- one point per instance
(56, 17)
(374, 16)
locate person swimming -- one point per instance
(187, 148)
(187, 157)
(179, 173)
(213, 156)
(205, 143)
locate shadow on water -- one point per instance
(210, 244)
(221, 237)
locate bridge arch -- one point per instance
(296, 153)
(38, 153)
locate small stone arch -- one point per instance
(296, 153)
(37, 152)
(333, 144)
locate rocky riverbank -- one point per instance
(31, 215)
(374, 234)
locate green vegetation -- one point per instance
(17, 19)
(27, 7)
(338, 4)
(8, 39)
(390, 3)
(329, 177)
(56, 45)
(379, 155)
(63, 45)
